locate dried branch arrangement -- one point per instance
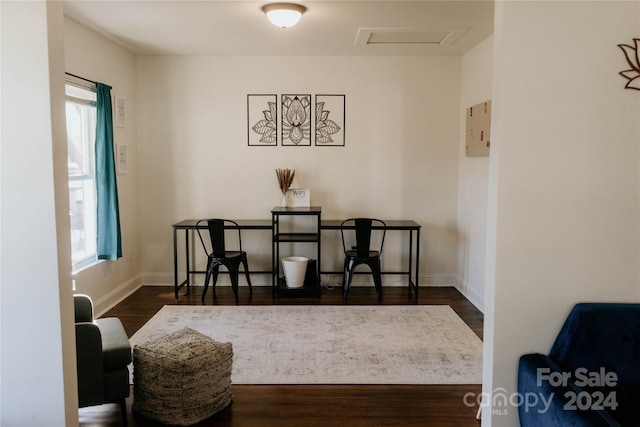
(285, 178)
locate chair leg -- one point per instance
(377, 275)
(123, 411)
(246, 273)
(212, 273)
(214, 278)
(206, 279)
(234, 272)
(349, 265)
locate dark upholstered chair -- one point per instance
(217, 254)
(103, 353)
(591, 376)
(361, 246)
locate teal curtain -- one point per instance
(109, 239)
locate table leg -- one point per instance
(188, 282)
(410, 258)
(175, 262)
(417, 261)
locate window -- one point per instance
(81, 136)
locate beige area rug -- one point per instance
(334, 344)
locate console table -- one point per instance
(189, 225)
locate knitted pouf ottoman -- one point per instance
(181, 378)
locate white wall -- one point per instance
(564, 193)
(93, 57)
(400, 160)
(37, 342)
(473, 177)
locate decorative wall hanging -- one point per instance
(121, 158)
(631, 53)
(478, 132)
(121, 112)
(296, 120)
(330, 119)
(262, 118)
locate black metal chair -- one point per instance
(218, 254)
(356, 243)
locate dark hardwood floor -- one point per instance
(312, 405)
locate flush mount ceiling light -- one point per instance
(283, 15)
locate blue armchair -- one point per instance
(591, 376)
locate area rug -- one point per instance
(307, 344)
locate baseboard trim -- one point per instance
(116, 296)
(472, 295)
(166, 279)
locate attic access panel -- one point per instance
(408, 36)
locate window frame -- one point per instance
(83, 177)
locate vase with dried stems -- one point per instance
(285, 179)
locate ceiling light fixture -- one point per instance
(284, 15)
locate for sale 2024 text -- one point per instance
(582, 377)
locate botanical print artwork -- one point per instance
(330, 120)
(296, 117)
(296, 120)
(262, 119)
(632, 74)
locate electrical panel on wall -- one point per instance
(478, 134)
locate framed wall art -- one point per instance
(330, 119)
(121, 112)
(121, 159)
(296, 120)
(262, 120)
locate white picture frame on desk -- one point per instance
(298, 198)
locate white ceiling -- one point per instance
(329, 27)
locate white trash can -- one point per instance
(295, 269)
